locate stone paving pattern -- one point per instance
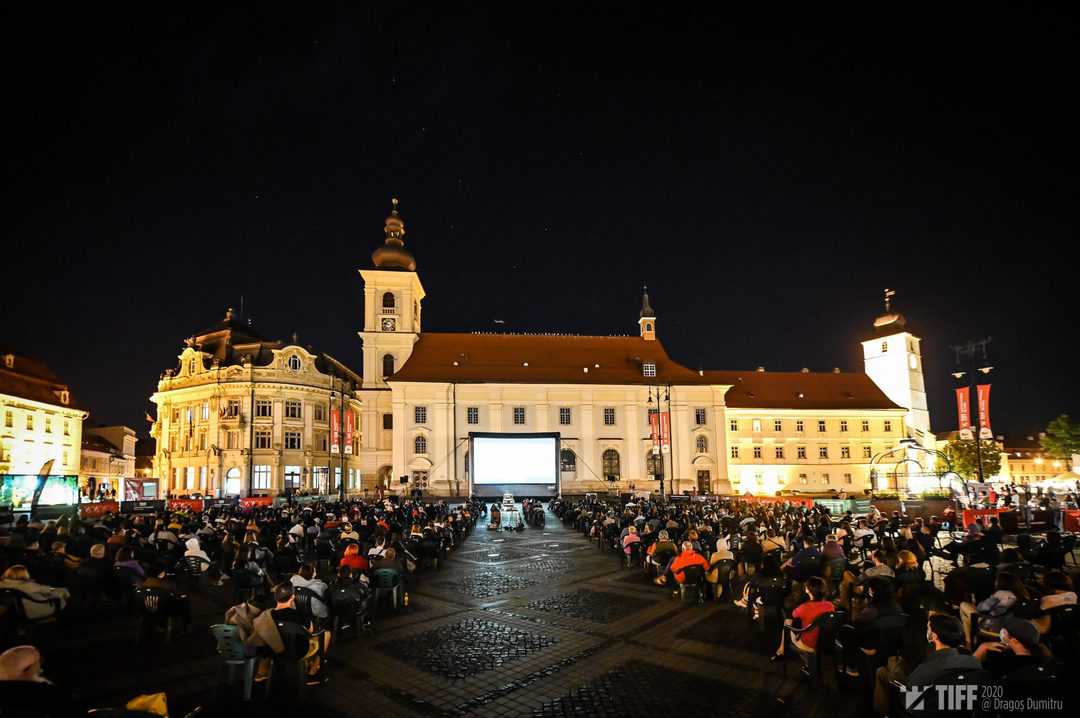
(551, 627)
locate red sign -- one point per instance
(195, 505)
(660, 426)
(983, 392)
(963, 412)
(98, 509)
(349, 419)
(335, 431)
(252, 502)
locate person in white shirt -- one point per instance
(306, 579)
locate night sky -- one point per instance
(767, 176)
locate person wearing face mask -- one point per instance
(1017, 647)
(944, 634)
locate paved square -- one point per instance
(595, 606)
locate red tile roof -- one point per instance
(562, 359)
(31, 379)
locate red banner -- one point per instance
(98, 509)
(252, 502)
(963, 413)
(348, 430)
(660, 426)
(335, 430)
(983, 392)
(195, 505)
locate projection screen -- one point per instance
(520, 464)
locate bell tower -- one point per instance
(647, 317)
(392, 303)
(892, 358)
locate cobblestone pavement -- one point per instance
(533, 623)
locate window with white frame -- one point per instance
(293, 409)
(519, 415)
(420, 414)
(320, 412)
(294, 363)
(733, 424)
(232, 409)
(472, 415)
(800, 452)
(648, 369)
(263, 408)
(699, 416)
(824, 478)
(845, 452)
(734, 452)
(777, 425)
(609, 416)
(823, 452)
(798, 425)
(756, 425)
(888, 427)
(189, 478)
(262, 439)
(292, 440)
(292, 477)
(757, 452)
(48, 424)
(320, 478)
(843, 425)
(821, 425)
(867, 452)
(420, 445)
(701, 444)
(260, 477)
(779, 452)
(865, 425)
(205, 413)
(231, 440)
(565, 416)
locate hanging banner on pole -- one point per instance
(349, 421)
(963, 413)
(335, 431)
(660, 427)
(984, 411)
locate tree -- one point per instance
(964, 457)
(1062, 439)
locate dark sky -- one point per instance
(767, 176)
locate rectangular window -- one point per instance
(779, 452)
(824, 478)
(866, 452)
(263, 408)
(472, 415)
(48, 424)
(565, 416)
(756, 425)
(802, 478)
(187, 442)
(823, 452)
(233, 408)
(733, 424)
(777, 425)
(324, 442)
(320, 412)
(847, 478)
(292, 440)
(420, 414)
(734, 452)
(262, 439)
(800, 452)
(176, 416)
(320, 478)
(172, 443)
(205, 415)
(821, 425)
(757, 452)
(888, 427)
(865, 425)
(648, 369)
(699, 417)
(67, 428)
(29, 422)
(260, 477)
(609, 416)
(388, 421)
(9, 419)
(845, 452)
(519, 415)
(843, 425)
(189, 481)
(292, 477)
(231, 439)
(202, 441)
(189, 415)
(293, 409)
(798, 425)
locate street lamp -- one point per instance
(973, 353)
(660, 436)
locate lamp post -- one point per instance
(970, 358)
(660, 431)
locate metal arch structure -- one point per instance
(903, 448)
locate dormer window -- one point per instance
(648, 369)
(9, 361)
(191, 366)
(884, 347)
(65, 397)
(294, 363)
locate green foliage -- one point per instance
(1062, 438)
(963, 455)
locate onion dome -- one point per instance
(393, 255)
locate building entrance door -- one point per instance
(704, 482)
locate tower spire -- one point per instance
(392, 254)
(647, 316)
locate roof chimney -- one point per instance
(804, 370)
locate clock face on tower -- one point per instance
(388, 324)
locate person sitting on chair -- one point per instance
(17, 578)
(677, 566)
(284, 611)
(306, 579)
(805, 614)
(630, 538)
(353, 559)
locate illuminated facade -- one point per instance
(39, 419)
(107, 456)
(242, 414)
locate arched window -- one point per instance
(294, 363)
(388, 300)
(702, 445)
(420, 445)
(611, 463)
(387, 365)
(567, 460)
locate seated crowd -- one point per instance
(287, 572)
(862, 589)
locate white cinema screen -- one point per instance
(510, 459)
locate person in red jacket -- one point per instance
(688, 557)
(354, 559)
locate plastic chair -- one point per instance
(634, 557)
(722, 586)
(692, 589)
(231, 648)
(24, 625)
(158, 608)
(192, 567)
(827, 625)
(387, 582)
(305, 598)
(297, 641)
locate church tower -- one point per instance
(893, 360)
(647, 318)
(392, 298)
